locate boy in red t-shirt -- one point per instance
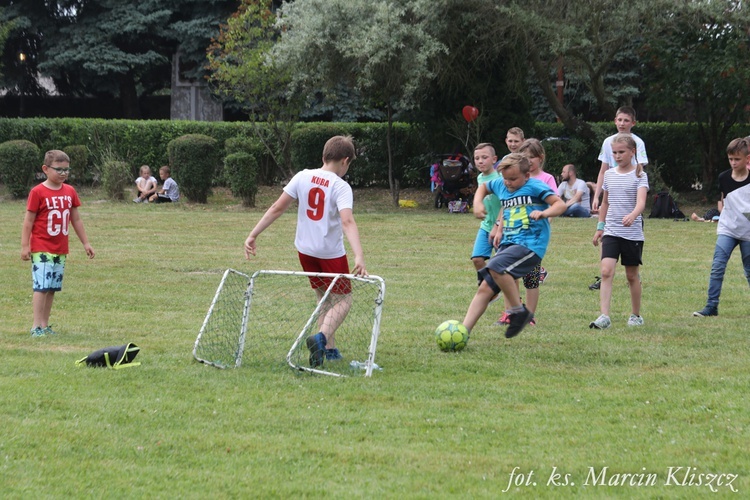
(51, 208)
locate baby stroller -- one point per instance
(454, 182)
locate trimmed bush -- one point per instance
(80, 173)
(241, 170)
(116, 177)
(193, 159)
(268, 172)
(19, 160)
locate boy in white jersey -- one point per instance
(620, 228)
(324, 215)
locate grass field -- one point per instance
(559, 404)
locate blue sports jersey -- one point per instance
(518, 227)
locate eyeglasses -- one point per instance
(60, 170)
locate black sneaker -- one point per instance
(333, 355)
(596, 284)
(707, 311)
(317, 347)
(517, 322)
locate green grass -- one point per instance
(673, 393)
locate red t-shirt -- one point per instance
(52, 222)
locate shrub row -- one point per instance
(19, 159)
(674, 149)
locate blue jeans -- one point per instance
(724, 247)
(577, 210)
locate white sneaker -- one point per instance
(635, 320)
(137, 200)
(601, 322)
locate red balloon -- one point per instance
(470, 113)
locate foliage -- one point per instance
(473, 70)
(194, 159)
(674, 145)
(700, 64)
(80, 173)
(430, 425)
(113, 48)
(382, 49)
(5, 29)
(369, 169)
(19, 160)
(116, 176)
(571, 34)
(241, 170)
(241, 70)
(267, 173)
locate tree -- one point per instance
(380, 48)
(700, 64)
(585, 37)
(5, 28)
(242, 71)
(115, 48)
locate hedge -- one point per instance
(674, 147)
(19, 160)
(193, 159)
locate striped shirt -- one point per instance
(622, 194)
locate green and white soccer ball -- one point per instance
(451, 336)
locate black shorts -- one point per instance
(162, 198)
(630, 251)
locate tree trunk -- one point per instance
(392, 181)
(541, 74)
(129, 97)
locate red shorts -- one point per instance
(339, 265)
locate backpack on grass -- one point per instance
(115, 357)
(665, 207)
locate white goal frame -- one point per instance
(369, 363)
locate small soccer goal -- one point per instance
(265, 320)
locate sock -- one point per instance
(515, 310)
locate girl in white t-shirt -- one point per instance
(145, 184)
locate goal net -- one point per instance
(265, 320)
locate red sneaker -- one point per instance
(504, 319)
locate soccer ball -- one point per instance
(451, 336)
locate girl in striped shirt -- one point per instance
(620, 228)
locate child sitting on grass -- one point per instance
(145, 184)
(170, 192)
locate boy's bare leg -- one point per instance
(605, 290)
(42, 305)
(484, 294)
(333, 315)
(634, 280)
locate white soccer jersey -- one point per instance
(321, 195)
(622, 193)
